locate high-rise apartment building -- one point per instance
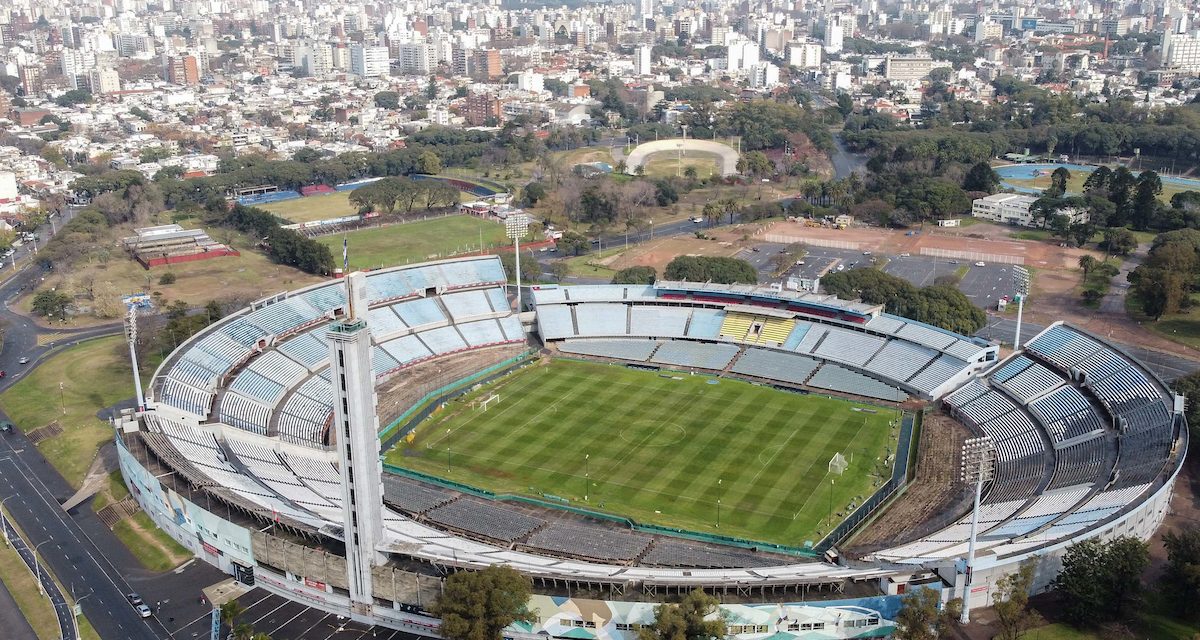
(836, 27)
(181, 69)
(368, 61)
(487, 65)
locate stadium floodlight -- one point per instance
(516, 225)
(1021, 291)
(978, 466)
(131, 337)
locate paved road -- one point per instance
(1167, 366)
(71, 554)
(62, 609)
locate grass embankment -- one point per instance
(410, 242)
(93, 375)
(153, 548)
(1183, 328)
(662, 449)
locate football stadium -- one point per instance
(350, 444)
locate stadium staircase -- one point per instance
(729, 367)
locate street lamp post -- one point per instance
(37, 567)
(515, 227)
(3, 521)
(978, 466)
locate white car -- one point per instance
(980, 264)
(697, 219)
(143, 611)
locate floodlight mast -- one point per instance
(1021, 286)
(516, 225)
(131, 338)
(978, 465)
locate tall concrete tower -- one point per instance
(357, 435)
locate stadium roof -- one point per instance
(805, 297)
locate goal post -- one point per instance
(494, 398)
(838, 464)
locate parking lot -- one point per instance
(280, 618)
(982, 285)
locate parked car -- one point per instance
(980, 264)
(5, 426)
(23, 360)
(143, 611)
(134, 599)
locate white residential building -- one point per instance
(367, 61)
(805, 55)
(417, 57)
(530, 80)
(1181, 51)
(104, 81)
(641, 60)
(836, 27)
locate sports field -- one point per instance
(662, 448)
(430, 239)
(312, 208)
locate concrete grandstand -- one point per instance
(727, 156)
(234, 457)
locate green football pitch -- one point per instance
(663, 448)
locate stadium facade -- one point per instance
(238, 457)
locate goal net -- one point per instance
(494, 398)
(838, 464)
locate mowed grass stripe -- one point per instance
(657, 447)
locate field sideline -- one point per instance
(662, 449)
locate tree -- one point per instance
(1058, 182)
(1144, 209)
(755, 164)
(845, 104)
(573, 243)
(531, 269)
(387, 100)
(1100, 580)
(478, 605)
(74, 97)
(1119, 241)
(920, 618)
(696, 617)
(635, 275)
(1011, 603)
(940, 305)
(981, 177)
(1180, 582)
(711, 269)
(1087, 262)
(559, 269)
(49, 303)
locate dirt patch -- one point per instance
(658, 253)
(933, 498)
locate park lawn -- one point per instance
(409, 242)
(662, 448)
(153, 548)
(246, 277)
(18, 579)
(95, 374)
(665, 164)
(588, 265)
(583, 155)
(322, 207)
(1183, 328)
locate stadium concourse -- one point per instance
(232, 456)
